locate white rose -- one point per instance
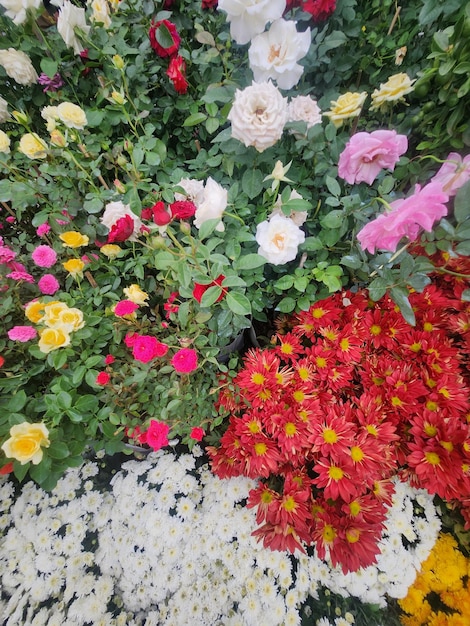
(275, 53)
(4, 143)
(114, 211)
(279, 239)
(18, 66)
(4, 115)
(213, 204)
(71, 17)
(298, 217)
(50, 114)
(304, 109)
(194, 190)
(258, 115)
(101, 12)
(16, 9)
(249, 17)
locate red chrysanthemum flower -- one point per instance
(288, 346)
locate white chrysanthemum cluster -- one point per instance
(172, 544)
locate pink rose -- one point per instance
(22, 333)
(48, 284)
(453, 174)
(157, 435)
(405, 219)
(44, 256)
(103, 378)
(366, 154)
(125, 307)
(185, 361)
(146, 348)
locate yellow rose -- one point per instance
(70, 320)
(74, 267)
(25, 442)
(33, 146)
(4, 142)
(52, 339)
(71, 115)
(348, 105)
(111, 250)
(394, 89)
(73, 239)
(52, 311)
(135, 294)
(34, 311)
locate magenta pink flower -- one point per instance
(185, 361)
(405, 219)
(103, 378)
(6, 254)
(157, 434)
(109, 359)
(453, 174)
(197, 433)
(48, 284)
(43, 229)
(366, 154)
(125, 307)
(44, 256)
(21, 275)
(10, 219)
(146, 348)
(130, 338)
(22, 333)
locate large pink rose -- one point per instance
(405, 219)
(454, 173)
(366, 154)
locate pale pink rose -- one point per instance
(366, 154)
(406, 218)
(454, 173)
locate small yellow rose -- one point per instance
(25, 442)
(33, 146)
(71, 115)
(394, 89)
(52, 339)
(34, 311)
(52, 311)
(346, 106)
(74, 239)
(74, 267)
(135, 294)
(4, 142)
(70, 320)
(111, 250)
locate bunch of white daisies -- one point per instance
(168, 543)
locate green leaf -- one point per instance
(94, 118)
(233, 281)
(238, 303)
(333, 186)
(333, 219)
(377, 289)
(250, 262)
(163, 36)
(86, 404)
(462, 203)
(252, 182)
(210, 296)
(400, 296)
(207, 228)
(64, 400)
(39, 473)
(312, 244)
(285, 282)
(58, 450)
(17, 401)
(19, 470)
(286, 305)
(351, 260)
(195, 119)
(49, 66)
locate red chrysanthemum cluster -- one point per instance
(349, 397)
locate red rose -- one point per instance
(160, 215)
(182, 209)
(176, 72)
(199, 290)
(121, 230)
(209, 4)
(102, 378)
(320, 10)
(164, 38)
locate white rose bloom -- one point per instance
(50, 114)
(194, 190)
(114, 211)
(249, 17)
(275, 53)
(71, 17)
(212, 206)
(304, 109)
(279, 239)
(4, 115)
(101, 12)
(18, 66)
(298, 217)
(16, 9)
(258, 115)
(4, 142)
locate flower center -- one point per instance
(278, 241)
(274, 52)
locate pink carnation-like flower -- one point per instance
(43, 229)
(405, 219)
(453, 174)
(22, 333)
(103, 378)
(48, 284)
(157, 435)
(21, 275)
(125, 307)
(366, 154)
(130, 338)
(44, 256)
(6, 254)
(197, 433)
(185, 361)
(146, 348)
(10, 219)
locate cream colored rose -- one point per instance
(74, 239)
(49, 113)
(34, 310)
(4, 115)
(26, 442)
(394, 89)
(70, 320)
(4, 142)
(18, 66)
(135, 294)
(249, 17)
(258, 115)
(71, 115)
(111, 250)
(52, 339)
(212, 206)
(304, 109)
(114, 211)
(279, 239)
(348, 105)
(101, 13)
(71, 17)
(52, 310)
(32, 146)
(16, 9)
